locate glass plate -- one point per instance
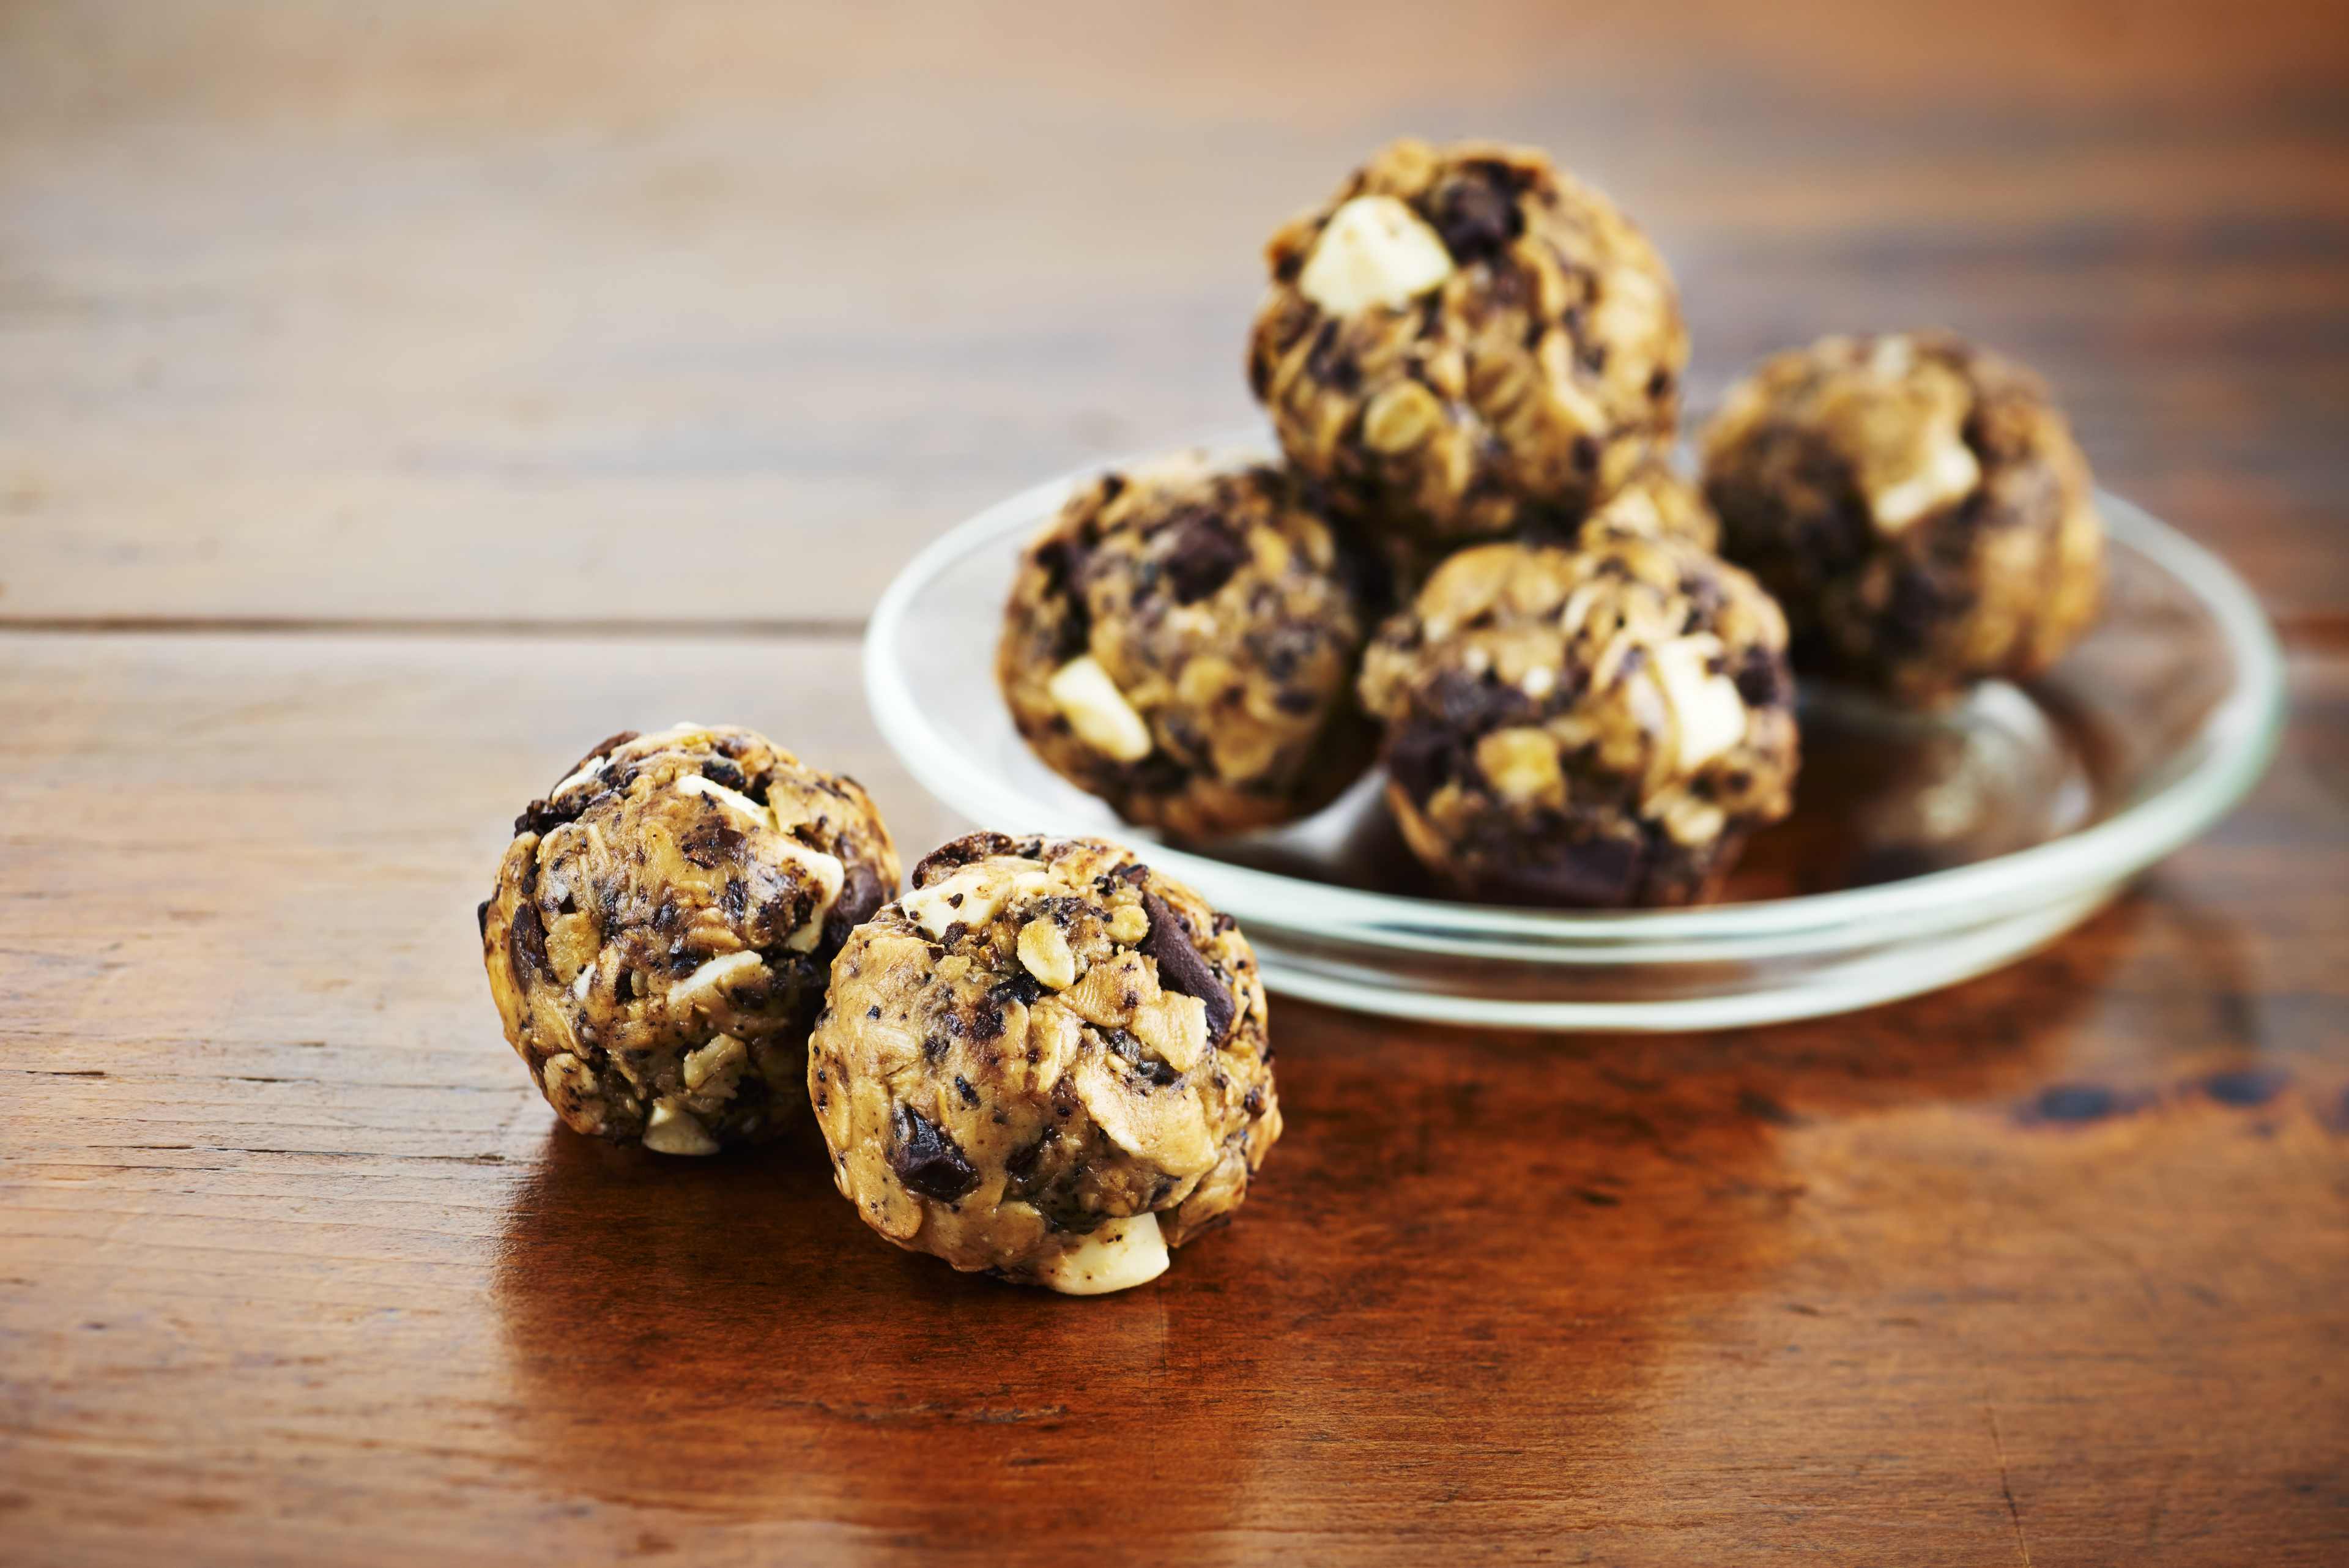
(1922, 850)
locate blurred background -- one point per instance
(709, 312)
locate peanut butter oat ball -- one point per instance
(1463, 338)
(1182, 641)
(1599, 726)
(1917, 506)
(662, 927)
(1047, 1062)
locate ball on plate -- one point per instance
(1599, 726)
(1917, 504)
(1181, 643)
(1046, 1061)
(1462, 338)
(662, 928)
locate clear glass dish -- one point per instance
(1922, 851)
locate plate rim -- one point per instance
(2233, 746)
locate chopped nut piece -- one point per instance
(715, 1063)
(705, 985)
(1122, 1254)
(674, 1131)
(1099, 712)
(1045, 952)
(1522, 764)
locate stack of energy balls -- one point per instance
(1052, 1063)
(1477, 563)
(1046, 1061)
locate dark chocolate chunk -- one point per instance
(861, 893)
(712, 841)
(926, 1158)
(972, 847)
(1022, 988)
(543, 816)
(1205, 554)
(481, 917)
(1761, 678)
(1180, 966)
(1422, 757)
(604, 748)
(1596, 873)
(526, 941)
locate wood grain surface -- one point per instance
(393, 401)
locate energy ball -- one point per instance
(1599, 726)
(1465, 338)
(1182, 641)
(1917, 506)
(661, 929)
(1047, 1062)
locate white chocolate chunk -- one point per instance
(1708, 715)
(732, 800)
(1044, 953)
(672, 1131)
(1097, 711)
(972, 895)
(595, 768)
(1120, 1255)
(1950, 471)
(709, 982)
(1373, 251)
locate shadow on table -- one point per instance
(1463, 1265)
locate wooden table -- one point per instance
(394, 401)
